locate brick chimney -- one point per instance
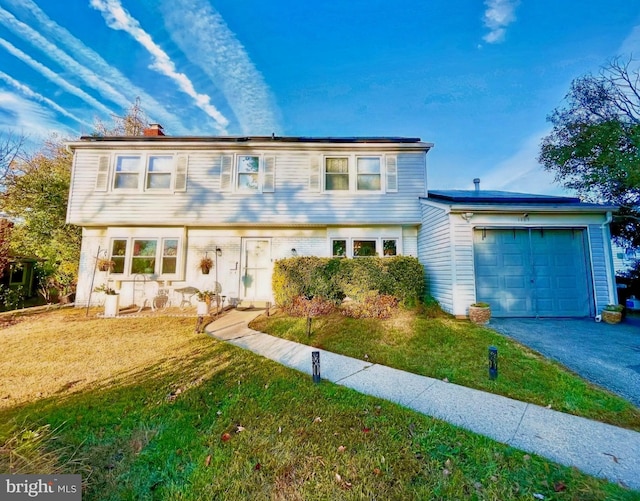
(154, 130)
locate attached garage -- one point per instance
(533, 272)
(526, 255)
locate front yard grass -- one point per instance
(146, 409)
(442, 347)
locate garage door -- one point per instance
(532, 272)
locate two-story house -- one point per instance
(155, 205)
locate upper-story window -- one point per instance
(142, 172)
(336, 173)
(248, 173)
(159, 172)
(128, 170)
(356, 173)
(368, 172)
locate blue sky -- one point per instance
(477, 78)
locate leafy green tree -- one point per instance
(35, 195)
(34, 191)
(594, 146)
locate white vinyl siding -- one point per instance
(210, 198)
(602, 287)
(434, 252)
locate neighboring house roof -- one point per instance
(492, 199)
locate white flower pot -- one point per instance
(111, 305)
(202, 308)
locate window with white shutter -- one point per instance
(181, 173)
(392, 174)
(102, 178)
(269, 182)
(226, 167)
(314, 173)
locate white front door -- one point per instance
(255, 279)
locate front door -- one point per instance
(255, 279)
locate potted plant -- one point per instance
(204, 301)
(480, 313)
(206, 263)
(612, 313)
(111, 300)
(105, 264)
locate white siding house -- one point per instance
(155, 205)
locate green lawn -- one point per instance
(146, 409)
(439, 346)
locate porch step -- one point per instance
(246, 304)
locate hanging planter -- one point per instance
(206, 264)
(480, 313)
(105, 265)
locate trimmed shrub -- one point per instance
(372, 306)
(335, 278)
(305, 307)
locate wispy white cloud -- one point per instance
(118, 18)
(54, 77)
(521, 172)
(94, 64)
(31, 94)
(206, 40)
(28, 117)
(499, 15)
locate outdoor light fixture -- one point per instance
(315, 366)
(218, 251)
(493, 362)
(467, 216)
(294, 252)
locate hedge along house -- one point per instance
(155, 205)
(526, 255)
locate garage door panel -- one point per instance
(533, 272)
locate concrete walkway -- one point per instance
(595, 448)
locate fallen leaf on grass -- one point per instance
(366, 430)
(257, 466)
(317, 420)
(207, 461)
(538, 496)
(342, 448)
(559, 486)
(225, 437)
(240, 429)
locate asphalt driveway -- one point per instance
(607, 355)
